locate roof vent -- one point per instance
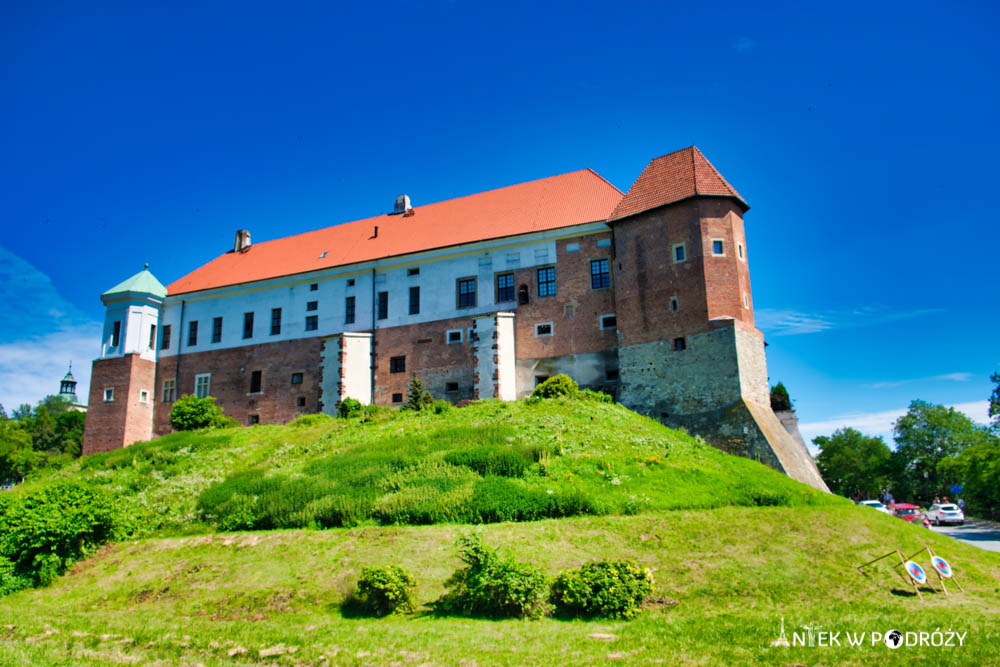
(242, 240)
(402, 204)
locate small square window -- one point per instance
(674, 304)
(413, 271)
(397, 364)
(312, 323)
(109, 394)
(454, 336)
(300, 402)
(679, 253)
(312, 305)
(143, 396)
(680, 344)
(397, 398)
(611, 374)
(313, 287)
(718, 247)
(451, 387)
(543, 329)
(350, 282)
(296, 378)
(253, 419)
(609, 322)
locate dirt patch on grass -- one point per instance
(82, 566)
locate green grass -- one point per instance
(724, 580)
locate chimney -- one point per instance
(402, 204)
(242, 240)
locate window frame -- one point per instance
(397, 364)
(679, 344)
(152, 336)
(169, 391)
(601, 322)
(605, 276)
(675, 304)
(382, 304)
(497, 287)
(193, 333)
(144, 396)
(109, 394)
(248, 319)
(312, 322)
(397, 397)
(297, 376)
(550, 325)
(257, 376)
(207, 377)
(312, 306)
(460, 295)
(540, 282)
(116, 333)
(414, 299)
(673, 252)
(449, 332)
(722, 246)
(165, 337)
(216, 330)
(276, 321)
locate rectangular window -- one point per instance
(255, 378)
(217, 329)
(547, 281)
(397, 398)
(718, 248)
(466, 292)
(152, 336)
(679, 253)
(604, 243)
(109, 394)
(169, 391)
(397, 364)
(192, 333)
(572, 247)
(454, 336)
(253, 420)
(675, 305)
(451, 387)
(248, 325)
(116, 334)
(611, 374)
(383, 305)
(739, 250)
(165, 337)
(609, 322)
(680, 344)
(143, 396)
(312, 322)
(543, 329)
(505, 287)
(414, 300)
(313, 287)
(746, 300)
(296, 378)
(600, 277)
(350, 282)
(540, 379)
(312, 305)
(300, 402)
(349, 310)
(275, 321)
(202, 384)
(413, 271)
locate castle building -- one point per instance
(645, 295)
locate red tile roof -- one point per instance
(671, 178)
(549, 203)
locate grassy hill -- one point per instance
(727, 570)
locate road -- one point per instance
(978, 533)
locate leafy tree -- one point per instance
(780, 401)
(17, 457)
(418, 398)
(994, 403)
(977, 469)
(926, 435)
(190, 412)
(852, 464)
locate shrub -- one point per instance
(598, 396)
(441, 406)
(46, 530)
(384, 590)
(349, 407)
(557, 385)
(492, 584)
(418, 398)
(780, 401)
(190, 412)
(501, 461)
(306, 421)
(609, 589)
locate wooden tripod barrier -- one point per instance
(909, 575)
(937, 570)
(905, 574)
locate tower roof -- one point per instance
(143, 282)
(668, 179)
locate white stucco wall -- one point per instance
(506, 357)
(136, 317)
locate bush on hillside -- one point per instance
(555, 386)
(44, 531)
(384, 590)
(607, 589)
(190, 413)
(306, 421)
(492, 584)
(490, 460)
(598, 396)
(349, 407)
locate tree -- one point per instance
(977, 469)
(17, 457)
(780, 402)
(926, 435)
(994, 403)
(190, 412)
(418, 398)
(853, 464)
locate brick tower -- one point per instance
(122, 381)
(689, 352)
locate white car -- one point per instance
(945, 513)
(876, 504)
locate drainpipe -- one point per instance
(374, 314)
(180, 339)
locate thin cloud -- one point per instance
(786, 322)
(948, 377)
(880, 423)
(744, 44)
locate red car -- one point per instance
(911, 513)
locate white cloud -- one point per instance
(787, 322)
(951, 377)
(881, 423)
(40, 333)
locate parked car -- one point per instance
(910, 513)
(875, 504)
(945, 513)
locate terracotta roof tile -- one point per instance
(549, 203)
(671, 178)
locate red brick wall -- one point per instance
(126, 419)
(231, 371)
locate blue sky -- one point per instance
(863, 135)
